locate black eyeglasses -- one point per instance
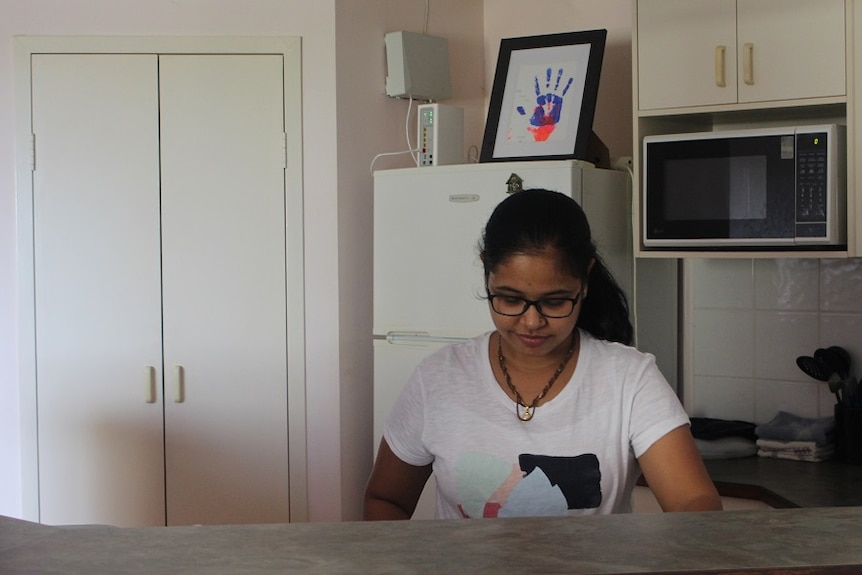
(550, 307)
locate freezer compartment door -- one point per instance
(427, 226)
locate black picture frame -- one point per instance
(544, 97)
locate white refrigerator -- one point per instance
(428, 280)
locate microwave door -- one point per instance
(719, 192)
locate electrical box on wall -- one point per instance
(441, 134)
(417, 66)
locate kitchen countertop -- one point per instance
(783, 483)
(780, 541)
(785, 541)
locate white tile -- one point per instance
(844, 330)
(841, 285)
(752, 318)
(724, 398)
(722, 283)
(780, 337)
(787, 284)
(724, 343)
(770, 397)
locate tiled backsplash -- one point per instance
(746, 321)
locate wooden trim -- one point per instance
(746, 491)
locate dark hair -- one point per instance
(536, 220)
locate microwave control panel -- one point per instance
(811, 184)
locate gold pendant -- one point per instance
(526, 415)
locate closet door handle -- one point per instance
(179, 384)
(748, 63)
(720, 67)
(150, 384)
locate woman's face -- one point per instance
(534, 277)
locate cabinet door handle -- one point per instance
(748, 63)
(150, 384)
(720, 57)
(179, 384)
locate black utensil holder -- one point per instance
(848, 434)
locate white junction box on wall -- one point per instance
(417, 66)
(441, 134)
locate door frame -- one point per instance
(288, 47)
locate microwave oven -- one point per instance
(764, 188)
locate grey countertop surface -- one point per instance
(785, 541)
(805, 484)
(824, 533)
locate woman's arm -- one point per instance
(675, 473)
(394, 487)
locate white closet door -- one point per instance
(97, 280)
(223, 230)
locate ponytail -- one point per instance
(605, 311)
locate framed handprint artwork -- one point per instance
(544, 97)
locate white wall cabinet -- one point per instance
(710, 65)
(710, 52)
(159, 269)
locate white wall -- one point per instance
(748, 320)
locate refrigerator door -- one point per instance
(427, 226)
(393, 365)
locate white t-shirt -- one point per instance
(576, 456)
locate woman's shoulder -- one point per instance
(615, 355)
(589, 341)
(459, 352)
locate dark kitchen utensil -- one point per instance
(850, 392)
(814, 367)
(845, 355)
(842, 384)
(835, 358)
(838, 387)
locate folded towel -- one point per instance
(726, 447)
(796, 450)
(711, 428)
(797, 447)
(789, 427)
(790, 445)
(778, 454)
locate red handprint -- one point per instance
(549, 106)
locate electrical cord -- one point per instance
(407, 134)
(410, 149)
(371, 168)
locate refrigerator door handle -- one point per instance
(418, 337)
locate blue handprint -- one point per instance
(549, 105)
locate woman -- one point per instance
(552, 413)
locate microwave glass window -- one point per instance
(747, 188)
(729, 188)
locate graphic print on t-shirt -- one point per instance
(538, 485)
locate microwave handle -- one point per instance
(748, 63)
(720, 66)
